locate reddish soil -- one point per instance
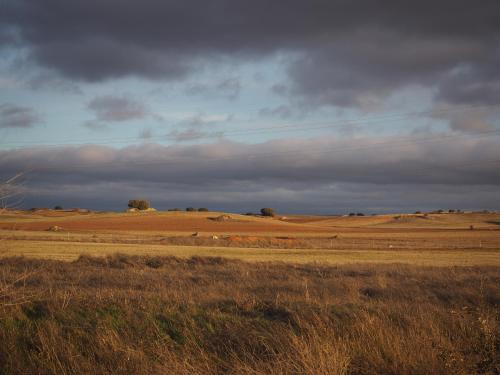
(160, 223)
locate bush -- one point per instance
(143, 205)
(203, 209)
(190, 209)
(352, 214)
(139, 204)
(58, 208)
(360, 214)
(174, 209)
(266, 211)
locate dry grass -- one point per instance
(72, 250)
(182, 222)
(382, 240)
(150, 315)
(422, 298)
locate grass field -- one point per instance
(166, 315)
(114, 293)
(72, 250)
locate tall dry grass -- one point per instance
(132, 315)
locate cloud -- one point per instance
(336, 53)
(316, 175)
(194, 127)
(14, 116)
(146, 134)
(53, 83)
(228, 89)
(282, 111)
(192, 134)
(201, 119)
(115, 109)
(465, 118)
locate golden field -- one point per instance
(187, 293)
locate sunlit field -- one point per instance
(183, 293)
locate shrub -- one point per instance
(140, 204)
(143, 205)
(203, 209)
(190, 209)
(266, 211)
(174, 209)
(58, 208)
(352, 214)
(360, 214)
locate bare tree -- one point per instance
(10, 192)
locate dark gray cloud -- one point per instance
(14, 116)
(343, 53)
(117, 108)
(317, 175)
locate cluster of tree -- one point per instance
(192, 209)
(356, 214)
(266, 211)
(443, 211)
(139, 204)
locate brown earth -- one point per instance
(434, 231)
(172, 222)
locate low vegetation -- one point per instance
(150, 315)
(139, 204)
(267, 211)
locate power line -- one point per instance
(281, 128)
(252, 156)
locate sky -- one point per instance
(321, 107)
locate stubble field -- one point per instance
(392, 294)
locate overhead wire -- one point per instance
(319, 125)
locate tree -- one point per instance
(10, 192)
(190, 209)
(143, 205)
(140, 204)
(202, 209)
(267, 211)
